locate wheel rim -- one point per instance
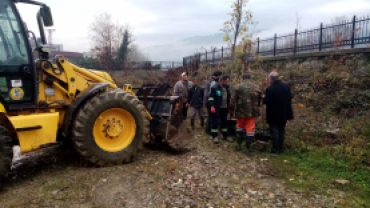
(114, 129)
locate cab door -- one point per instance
(17, 71)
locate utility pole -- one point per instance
(50, 37)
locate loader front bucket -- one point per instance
(167, 127)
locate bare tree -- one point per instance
(105, 37)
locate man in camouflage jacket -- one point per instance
(247, 99)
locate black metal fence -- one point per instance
(341, 35)
(154, 65)
(132, 65)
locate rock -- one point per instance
(55, 192)
(334, 133)
(252, 192)
(264, 159)
(342, 181)
(209, 205)
(278, 193)
(189, 177)
(178, 184)
(260, 176)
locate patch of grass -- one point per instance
(54, 186)
(158, 178)
(316, 172)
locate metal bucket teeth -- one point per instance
(167, 128)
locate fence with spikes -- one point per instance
(354, 33)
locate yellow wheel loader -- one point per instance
(46, 101)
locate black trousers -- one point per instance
(277, 132)
(208, 122)
(219, 117)
(184, 110)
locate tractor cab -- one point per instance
(18, 81)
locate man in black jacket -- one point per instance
(219, 102)
(207, 91)
(195, 99)
(278, 100)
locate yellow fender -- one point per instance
(2, 108)
(128, 88)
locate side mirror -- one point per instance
(46, 15)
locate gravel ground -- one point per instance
(207, 175)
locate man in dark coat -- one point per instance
(207, 91)
(195, 99)
(219, 102)
(278, 100)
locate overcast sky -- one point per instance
(164, 22)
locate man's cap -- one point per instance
(217, 73)
(184, 73)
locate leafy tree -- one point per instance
(238, 33)
(124, 48)
(238, 27)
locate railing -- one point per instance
(341, 35)
(132, 65)
(154, 65)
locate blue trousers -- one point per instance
(219, 118)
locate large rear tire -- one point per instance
(110, 128)
(6, 154)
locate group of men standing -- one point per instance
(246, 102)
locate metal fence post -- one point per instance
(275, 44)
(353, 32)
(320, 40)
(222, 55)
(214, 56)
(206, 56)
(258, 45)
(295, 40)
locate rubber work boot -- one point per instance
(239, 140)
(215, 140)
(228, 139)
(192, 123)
(202, 122)
(248, 143)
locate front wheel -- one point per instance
(110, 128)
(6, 154)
